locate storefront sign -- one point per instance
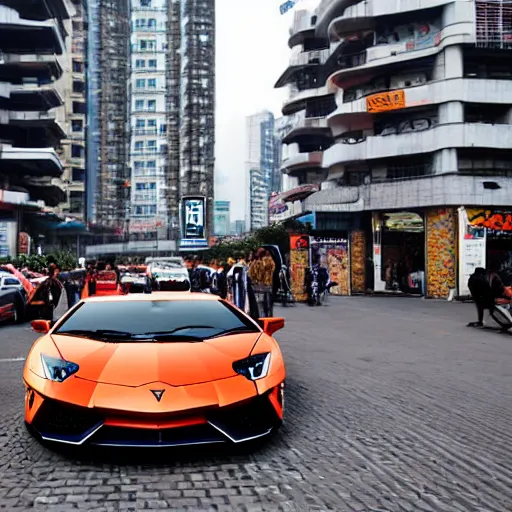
(472, 243)
(385, 101)
(491, 219)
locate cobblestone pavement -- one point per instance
(392, 405)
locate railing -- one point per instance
(158, 27)
(144, 197)
(310, 57)
(145, 131)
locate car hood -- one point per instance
(174, 363)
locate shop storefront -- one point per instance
(485, 239)
(399, 252)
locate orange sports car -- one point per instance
(151, 370)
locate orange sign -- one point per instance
(385, 101)
(495, 220)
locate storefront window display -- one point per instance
(441, 252)
(332, 253)
(497, 225)
(399, 252)
(299, 262)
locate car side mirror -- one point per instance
(41, 326)
(271, 325)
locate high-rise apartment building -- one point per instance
(32, 117)
(108, 92)
(172, 114)
(260, 168)
(75, 109)
(221, 218)
(401, 112)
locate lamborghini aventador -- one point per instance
(153, 370)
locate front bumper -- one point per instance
(244, 421)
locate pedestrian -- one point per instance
(482, 293)
(51, 292)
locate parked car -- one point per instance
(10, 282)
(12, 305)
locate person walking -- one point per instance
(52, 292)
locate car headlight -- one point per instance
(254, 367)
(56, 369)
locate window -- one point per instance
(145, 186)
(151, 44)
(11, 281)
(152, 145)
(139, 105)
(140, 22)
(152, 63)
(139, 146)
(143, 44)
(152, 123)
(138, 164)
(77, 125)
(145, 210)
(152, 83)
(151, 23)
(140, 63)
(139, 317)
(78, 175)
(151, 164)
(145, 3)
(140, 83)
(163, 128)
(140, 124)
(76, 151)
(152, 105)
(78, 67)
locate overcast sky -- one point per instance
(252, 52)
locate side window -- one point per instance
(9, 281)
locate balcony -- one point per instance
(438, 190)
(327, 11)
(30, 162)
(139, 49)
(301, 28)
(364, 65)
(361, 16)
(34, 96)
(18, 35)
(445, 136)
(301, 60)
(466, 90)
(301, 161)
(159, 27)
(145, 197)
(298, 124)
(297, 97)
(44, 68)
(39, 11)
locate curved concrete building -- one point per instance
(416, 154)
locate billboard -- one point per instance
(193, 223)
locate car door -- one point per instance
(7, 303)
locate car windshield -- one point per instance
(155, 320)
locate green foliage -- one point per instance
(64, 260)
(275, 234)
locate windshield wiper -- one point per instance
(234, 330)
(97, 334)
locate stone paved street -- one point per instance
(392, 405)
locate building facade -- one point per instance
(222, 218)
(407, 116)
(32, 116)
(260, 174)
(148, 120)
(108, 93)
(75, 109)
